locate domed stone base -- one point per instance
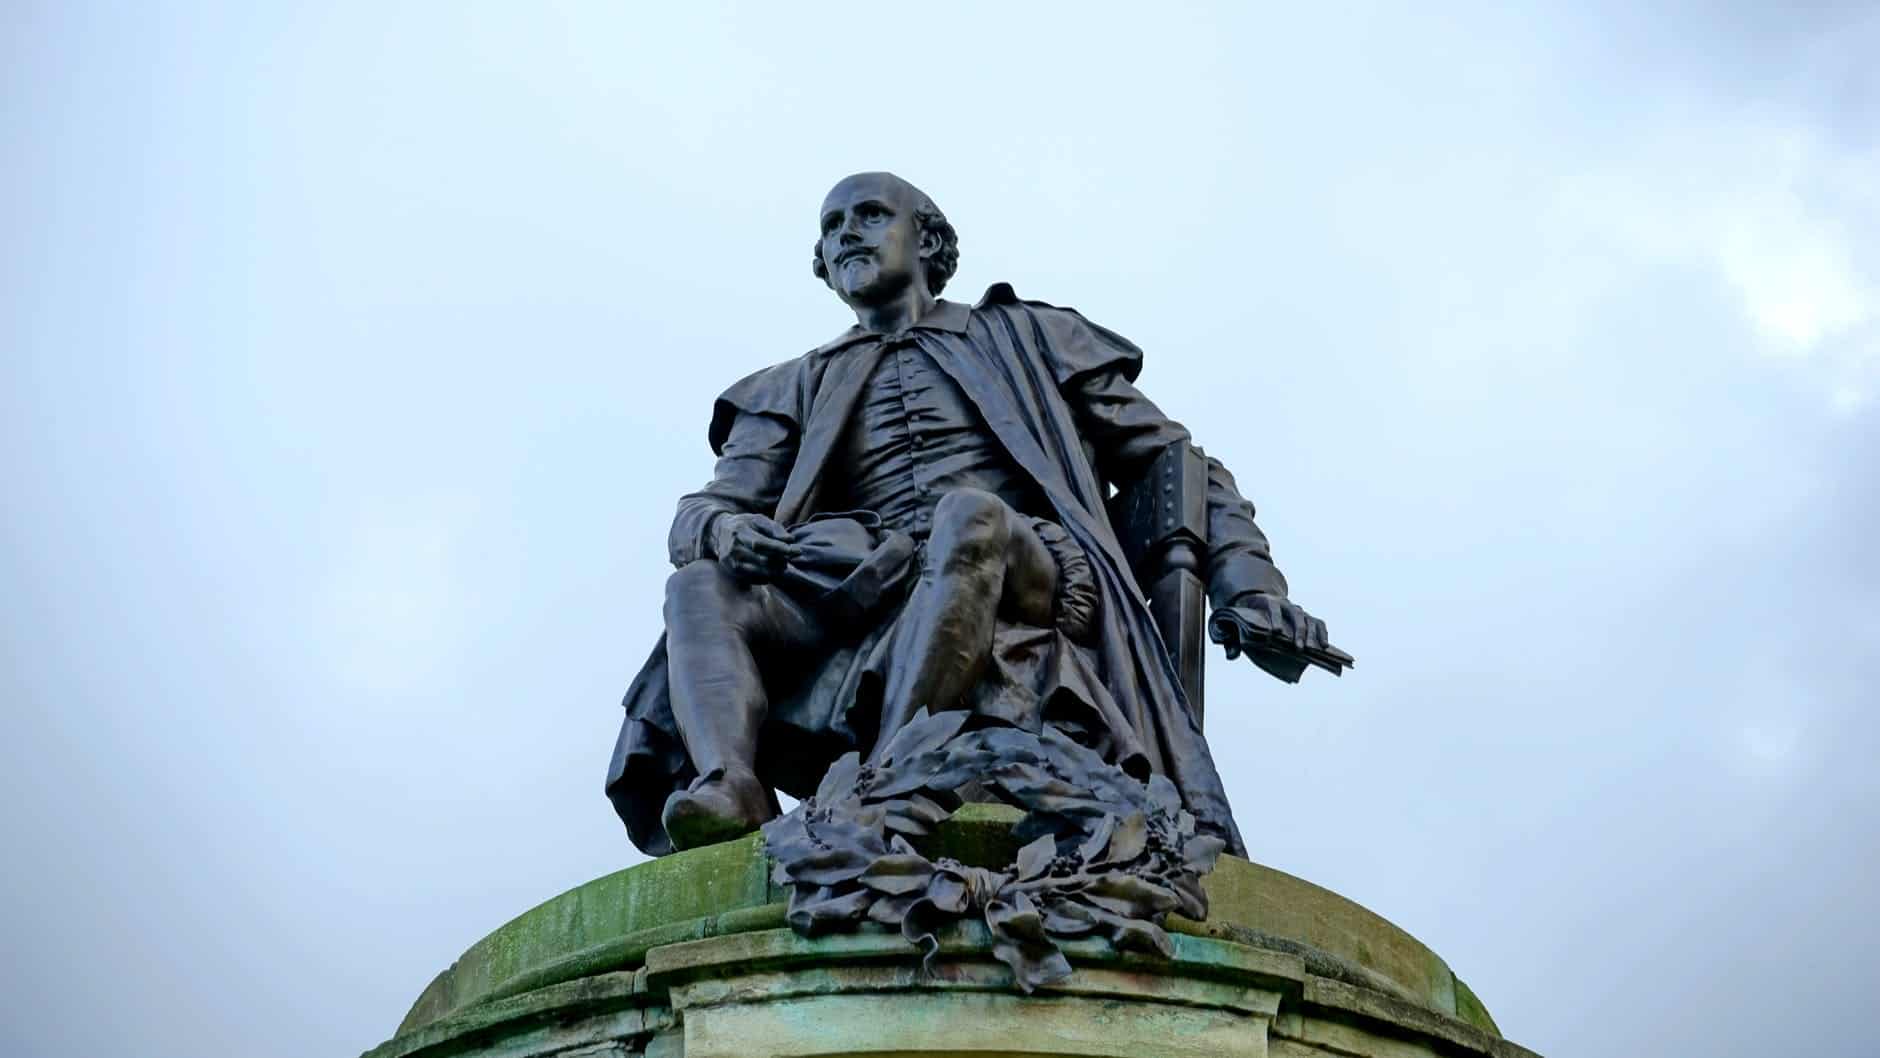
(688, 956)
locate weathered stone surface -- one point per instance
(608, 1010)
(777, 993)
(608, 924)
(978, 834)
(775, 963)
(1470, 1009)
(1247, 901)
(984, 1025)
(687, 957)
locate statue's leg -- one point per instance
(715, 627)
(983, 559)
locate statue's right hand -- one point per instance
(752, 547)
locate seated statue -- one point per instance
(913, 518)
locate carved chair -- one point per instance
(1162, 522)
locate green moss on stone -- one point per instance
(978, 835)
(583, 927)
(610, 924)
(1274, 902)
(1470, 1009)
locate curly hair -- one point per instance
(944, 261)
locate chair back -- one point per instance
(1162, 523)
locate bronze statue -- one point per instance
(946, 509)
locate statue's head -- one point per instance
(881, 234)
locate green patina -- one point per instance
(1274, 903)
(979, 835)
(1470, 1009)
(618, 993)
(610, 924)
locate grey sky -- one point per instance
(354, 355)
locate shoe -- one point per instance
(717, 807)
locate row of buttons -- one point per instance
(921, 488)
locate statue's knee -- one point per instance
(700, 586)
(970, 511)
(969, 526)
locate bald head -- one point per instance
(884, 185)
(876, 226)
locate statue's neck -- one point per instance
(897, 314)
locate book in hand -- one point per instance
(1250, 631)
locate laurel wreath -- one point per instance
(1105, 854)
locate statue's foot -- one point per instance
(719, 807)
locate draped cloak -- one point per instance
(1057, 392)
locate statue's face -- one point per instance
(871, 242)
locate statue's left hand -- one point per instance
(1280, 619)
(1262, 625)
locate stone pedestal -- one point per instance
(688, 957)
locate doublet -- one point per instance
(916, 437)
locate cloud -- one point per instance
(1775, 210)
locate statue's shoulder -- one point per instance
(780, 391)
(770, 391)
(1001, 297)
(1074, 345)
